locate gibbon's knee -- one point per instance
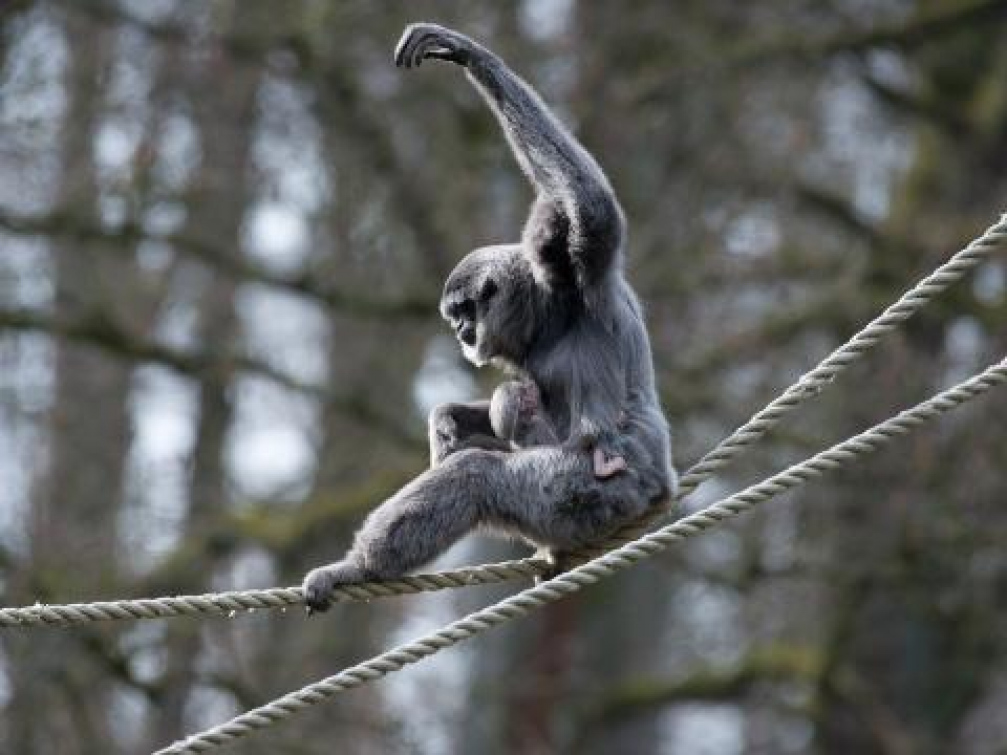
(471, 468)
(427, 515)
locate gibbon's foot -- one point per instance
(422, 41)
(607, 466)
(557, 564)
(320, 583)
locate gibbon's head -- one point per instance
(490, 302)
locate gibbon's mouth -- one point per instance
(466, 333)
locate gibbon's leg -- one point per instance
(548, 495)
(456, 426)
(416, 524)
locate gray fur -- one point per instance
(556, 310)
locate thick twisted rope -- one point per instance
(807, 386)
(229, 603)
(528, 600)
(811, 382)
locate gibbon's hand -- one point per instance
(422, 41)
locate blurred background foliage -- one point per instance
(223, 231)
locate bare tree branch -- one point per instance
(65, 224)
(796, 46)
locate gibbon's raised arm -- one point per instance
(575, 231)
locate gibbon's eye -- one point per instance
(488, 290)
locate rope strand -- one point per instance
(229, 603)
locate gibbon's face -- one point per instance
(466, 305)
(472, 301)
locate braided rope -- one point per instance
(807, 386)
(810, 383)
(230, 603)
(524, 602)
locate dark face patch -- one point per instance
(467, 294)
(480, 302)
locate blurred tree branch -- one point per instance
(950, 119)
(65, 224)
(285, 532)
(828, 309)
(935, 21)
(928, 25)
(99, 331)
(342, 104)
(777, 663)
(117, 662)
